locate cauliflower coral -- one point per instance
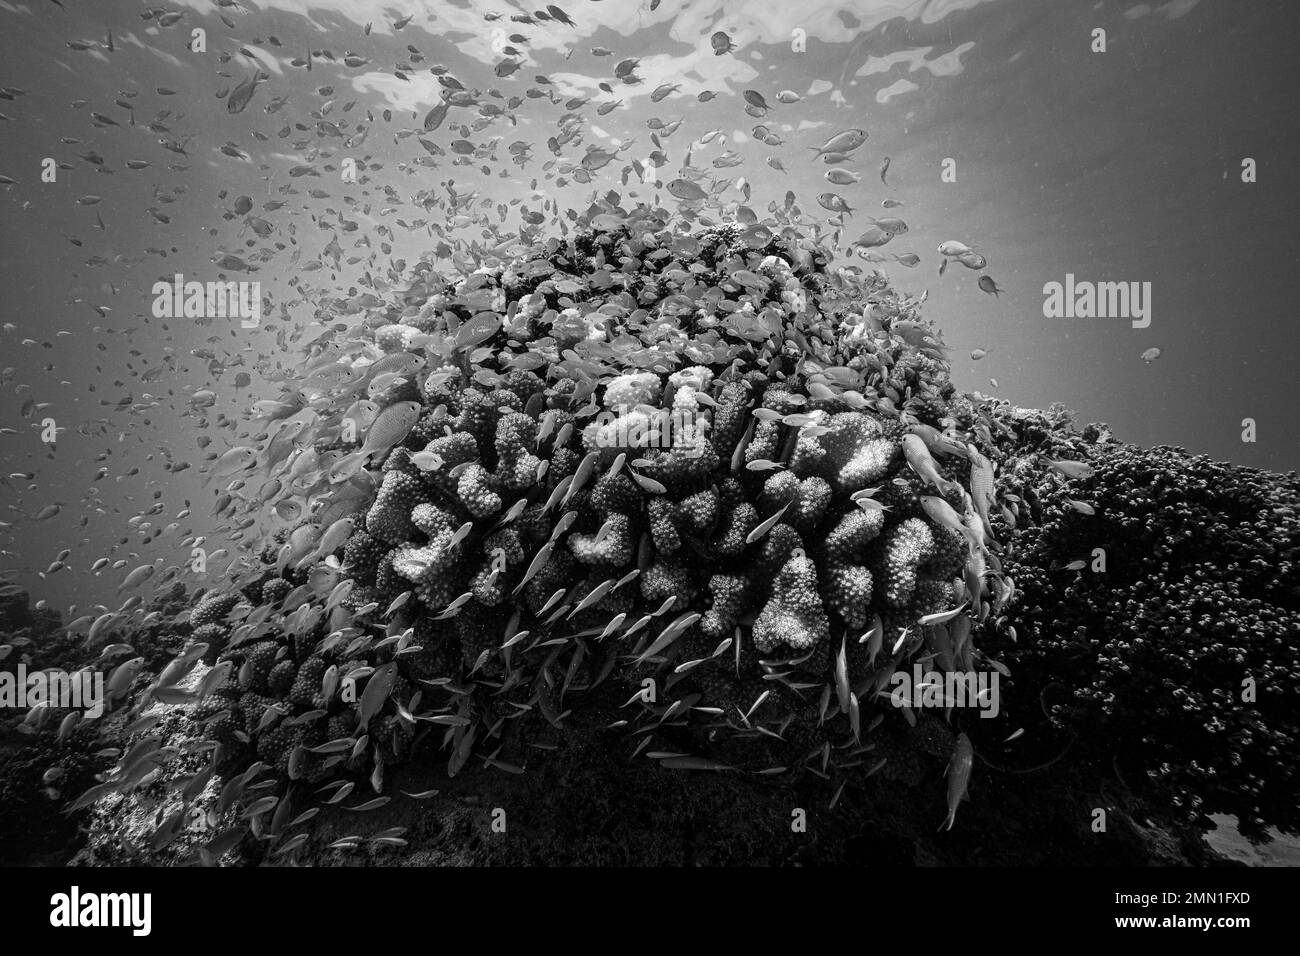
(691, 475)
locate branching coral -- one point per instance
(793, 615)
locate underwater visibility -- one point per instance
(648, 433)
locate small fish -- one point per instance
(1150, 355)
(721, 43)
(942, 514)
(987, 284)
(767, 525)
(243, 93)
(982, 489)
(123, 675)
(539, 561)
(959, 768)
(937, 442)
(875, 639)
(1072, 469)
(834, 203)
(559, 15)
(942, 617)
(884, 168)
(461, 534)
(331, 540)
(686, 190)
(233, 461)
(391, 426)
(604, 531)
(597, 593)
(954, 248)
(919, 460)
(875, 236)
(693, 763)
(137, 577)
(649, 484)
(374, 804)
(842, 142)
(427, 460)
(585, 469)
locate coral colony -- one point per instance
(655, 481)
(754, 584)
(728, 506)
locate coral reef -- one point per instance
(661, 474)
(703, 495)
(49, 754)
(1164, 615)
